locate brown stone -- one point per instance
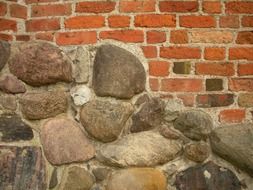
(11, 84)
(64, 142)
(39, 63)
(137, 179)
(197, 152)
(182, 68)
(245, 100)
(41, 105)
(245, 37)
(54, 179)
(101, 173)
(169, 133)
(4, 53)
(214, 84)
(8, 102)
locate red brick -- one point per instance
(179, 37)
(232, 116)
(180, 52)
(154, 84)
(239, 7)
(229, 21)
(42, 25)
(156, 37)
(117, 21)
(211, 36)
(197, 21)
(241, 84)
(247, 21)
(159, 68)
(48, 36)
(149, 51)
(133, 36)
(188, 99)
(214, 53)
(245, 69)
(6, 37)
(137, 6)
(216, 69)
(7, 24)
(51, 10)
(95, 7)
(245, 37)
(155, 20)
(3, 8)
(214, 100)
(39, 1)
(18, 11)
(182, 85)
(76, 38)
(85, 22)
(236, 53)
(22, 38)
(178, 6)
(211, 7)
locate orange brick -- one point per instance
(95, 7)
(239, 7)
(51, 10)
(128, 6)
(48, 36)
(244, 37)
(85, 22)
(211, 7)
(211, 36)
(229, 22)
(154, 84)
(76, 38)
(133, 36)
(241, 84)
(247, 21)
(245, 69)
(6, 37)
(155, 20)
(3, 8)
(156, 37)
(149, 51)
(159, 68)
(22, 38)
(39, 1)
(178, 37)
(216, 69)
(180, 52)
(42, 25)
(117, 21)
(197, 21)
(18, 11)
(188, 99)
(7, 24)
(214, 53)
(181, 85)
(237, 53)
(232, 116)
(178, 6)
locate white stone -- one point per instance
(80, 95)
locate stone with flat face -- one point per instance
(117, 73)
(4, 53)
(11, 84)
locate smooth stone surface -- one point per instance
(169, 132)
(80, 95)
(10, 84)
(22, 168)
(137, 179)
(41, 105)
(8, 102)
(4, 53)
(194, 124)
(117, 73)
(104, 120)
(77, 178)
(207, 177)
(149, 116)
(64, 142)
(139, 149)
(197, 152)
(54, 179)
(101, 173)
(12, 128)
(39, 63)
(234, 143)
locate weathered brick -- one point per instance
(182, 68)
(51, 10)
(217, 37)
(79, 22)
(214, 84)
(197, 21)
(214, 53)
(211, 7)
(7, 24)
(149, 51)
(181, 85)
(215, 69)
(128, 6)
(232, 116)
(180, 52)
(155, 20)
(247, 21)
(18, 11)
(229, 21)
(39, 1)
(159, 68)
(133, 36)
(154, 84)
(179, 37)
(48, 36)
(22, 38)
(214, 100)
(6, 37)
(117, 21)
(245, 37)
(245, 69)
(95, 7)
(245, 100)
(241, 84)
(178, 6)
(236, 53)
(3, 8)
(188, 99)
(76, 38)
(42, 25)
(155, 37)
(239, 7)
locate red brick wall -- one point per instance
(197, 51)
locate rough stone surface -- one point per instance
(169, 132)
(172, 109)
(101, 173)
(77, 178)
(209, 177)
(8, 102)
(64, 142)
(12, 128)
(117, 73)
(235, 144)
(139, 149)
(104, 120)
(4, 53)
(194, 124)
(11, 84)
(80, 95)
(149, 116)
(54, 179)
(197, 152)
(137, 179)
(141, 100)
(39, 63)
(22, 168)
(41, 105)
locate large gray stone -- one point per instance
(117, 73)
(139, 149)
(39, 63)
(194, 124)
(235, 144)
(104, 120)
(4, 53)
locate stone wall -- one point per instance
(84, 117)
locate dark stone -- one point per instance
(141, 100)
(22, 168)
(54, 179)
(182, 68)
(207, 177)
(4, 53)
(234, 143)
(169, 132)
(197, 152)
(39, 63)
(11, 84)
(214, 84)
(149, 116)
(214, 100)
(117, 73)
(12, 128)
(101, 173)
